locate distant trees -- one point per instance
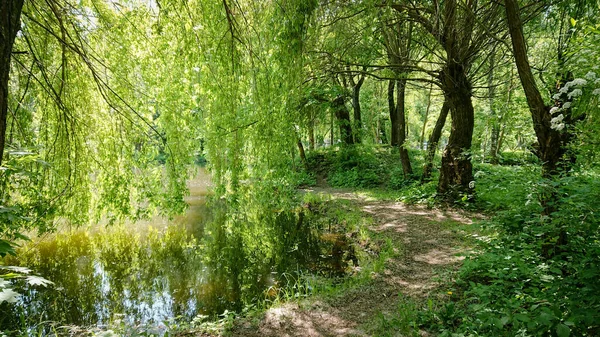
(461, 31)
(398, 40)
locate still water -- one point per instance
(153, 271)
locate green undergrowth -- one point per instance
(527, 280)
(376, 171)
(522, 279)
(371, 249)
(362, 167)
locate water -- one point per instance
(203, 262)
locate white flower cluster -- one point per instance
(572, 88)
(590, 75)
(571, 91)
(556, 123)
(575, 93)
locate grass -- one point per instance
(508, 288)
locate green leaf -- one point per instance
(21, 270)
(6, 248)
(545, 318)
(522, 318)
(9, 296)
(38, 281)
(563, 330)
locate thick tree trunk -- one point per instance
(343, 118)
(456, 173)
(10, 18)
(434, 140)
(393, 115)
(551, 144)
(401, 119)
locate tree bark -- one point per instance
(356, 106)
(456, 173)
(551, 144)
(331, 129)
(10, 18)
(393, 115)
(401, 119)
(381, 130)
(343, 117)
(434, 140)
(494, 119)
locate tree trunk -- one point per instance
(456, 173)
(551, 144)
(500, 138)
(357, 112)
(393, 115)
(343, 117)
(331, 130)
(401, 119)
(302, 153)
(381, 128)
(311, 134)
(434, 140)
(10, 18)
(494, 119)
(422, 140)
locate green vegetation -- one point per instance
(226, 167)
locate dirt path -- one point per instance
(427, 246)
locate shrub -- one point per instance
(527, 281)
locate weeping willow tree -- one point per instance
(102, 118)
(249, 60)
(110, 102)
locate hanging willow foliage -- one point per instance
(113, 101)
(249, 60)
(102, 100)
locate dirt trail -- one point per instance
(427, 246)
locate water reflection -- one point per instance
(201, 263)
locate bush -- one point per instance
(362, 166)
(354, 166)
(527, 280)
(517, 158)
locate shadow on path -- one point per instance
(426, 246)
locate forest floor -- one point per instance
(427, 247)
